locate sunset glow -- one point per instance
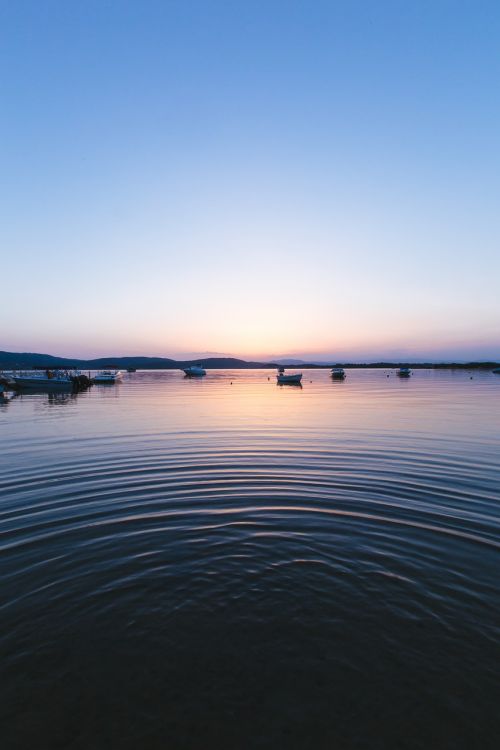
(318, 182)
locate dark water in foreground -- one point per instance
(195, 564)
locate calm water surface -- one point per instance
(227, 563)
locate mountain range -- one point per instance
(25, 360)
(18, 360)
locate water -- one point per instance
(227, 563)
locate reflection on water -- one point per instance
(220, 562)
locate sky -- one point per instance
(311, 179)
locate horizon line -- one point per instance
(294, 361)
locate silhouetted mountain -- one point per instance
(15, 360)
(25, 360)
(290, 362)
(229, 363)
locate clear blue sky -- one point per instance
(257, 178)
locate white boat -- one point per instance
(47, 379)
(194, 371)
(338, 373)
(404, 372)
(289, 379)
(107, 376)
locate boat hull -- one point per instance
(289, 379)
(43, 384)
(107, 377)
(194, 372)
(7, 381)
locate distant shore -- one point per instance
(13, 361)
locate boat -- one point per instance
(496, 370)
(7, 380)
(338, 373)
(131, 369)
(107, 376)
(57, 380)
(4, 396)
(294, 379)
(404, 372)
(194, 371)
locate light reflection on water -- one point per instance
(224, 562)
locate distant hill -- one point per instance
(25, 360)
(13, 360)
(290, 362)
(19, 360)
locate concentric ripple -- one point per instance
(226, 563)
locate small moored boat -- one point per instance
(108, 376)
(496, 371)
(404, 372)
(4, 396)
(7, 380)
(194, 371)
(51, 380)
(294, 379)
(338, 373)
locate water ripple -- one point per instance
(343, 534)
